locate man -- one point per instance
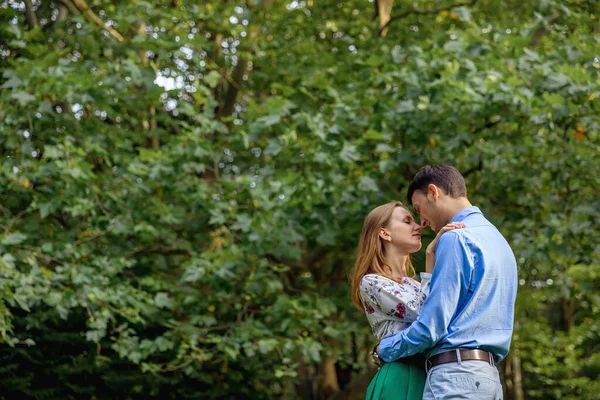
(466, 323)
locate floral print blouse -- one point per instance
(391, 306)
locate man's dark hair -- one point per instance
(445, 177)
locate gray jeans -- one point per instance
(463, 380)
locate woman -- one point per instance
(382, 286)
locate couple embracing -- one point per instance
(439, 338)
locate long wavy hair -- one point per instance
(370, 257)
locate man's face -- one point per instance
(427, 211)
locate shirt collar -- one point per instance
(462, 214)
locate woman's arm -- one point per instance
(398, 301)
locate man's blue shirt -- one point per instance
(472, 295)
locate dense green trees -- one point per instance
(183, 185)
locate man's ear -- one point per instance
(433, 191)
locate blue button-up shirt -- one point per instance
(472, 295)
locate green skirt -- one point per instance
(397, 381)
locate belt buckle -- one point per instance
(428, 364)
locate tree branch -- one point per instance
(92, 237)
(425, 12)
(487, 125)
(475, 168)
(541, 31)
(82, 6)
(70, 6)
(19, 215)
(104, 210)
(164, 250)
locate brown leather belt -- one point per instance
(465, 355)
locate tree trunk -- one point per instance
(328, 381)
(304, 385)
(236, 81)
(568, 322)
(356, 388)
(63, 13)
(509, 385)
(568, 314)
(32, 20)
(517, 377)
(234, 87)
(153, 126)
(384, 10)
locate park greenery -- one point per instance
(184, 183)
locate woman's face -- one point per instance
(405, 232)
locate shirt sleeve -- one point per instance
(398, 301)
(449, 283)
(425, 283)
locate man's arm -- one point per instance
(449, 281)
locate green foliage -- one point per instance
(161, 240)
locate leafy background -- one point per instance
(183, 185)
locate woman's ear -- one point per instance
(385, 236)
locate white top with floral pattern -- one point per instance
(391, 306)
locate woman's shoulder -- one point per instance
(372, 283)
(374, 279)
(411, 281)
(379, 282)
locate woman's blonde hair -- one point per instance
(370, 257)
